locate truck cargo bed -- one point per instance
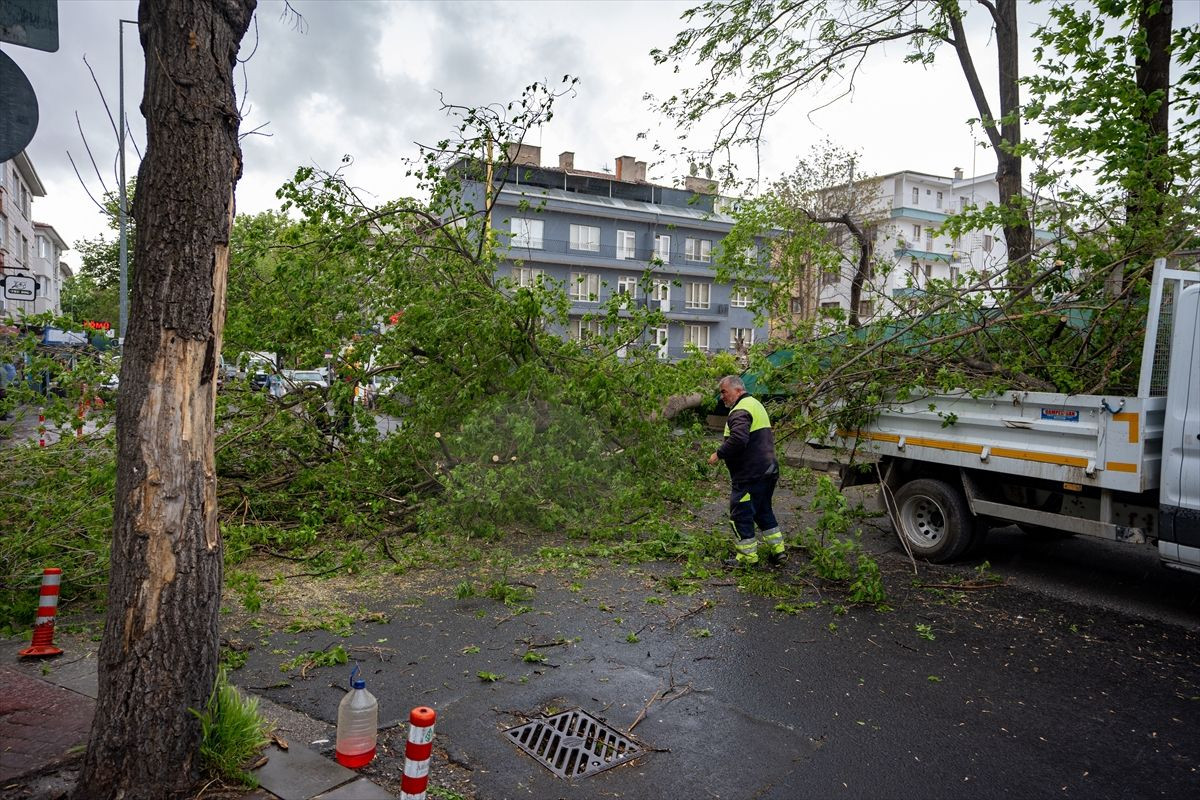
(1104, 441)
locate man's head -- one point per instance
(730, 389)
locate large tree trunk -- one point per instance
(1004, 133)
(1153, 75)
(158, 658)
(1018, 232)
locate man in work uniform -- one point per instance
(749, 452)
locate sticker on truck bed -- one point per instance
(1061, 414)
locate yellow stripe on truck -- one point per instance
(966, 447)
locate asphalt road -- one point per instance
(1028, 689)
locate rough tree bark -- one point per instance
(158, 657)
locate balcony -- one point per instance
(553, 249)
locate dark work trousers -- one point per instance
(750, 503)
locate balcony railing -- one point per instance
(517, 245)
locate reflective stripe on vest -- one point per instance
(758, 414)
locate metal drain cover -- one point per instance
(574, 743)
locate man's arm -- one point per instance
(739, 434)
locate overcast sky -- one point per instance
(363, 78)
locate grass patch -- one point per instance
(232, 733)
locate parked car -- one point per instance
(293, 380)
(260, 381)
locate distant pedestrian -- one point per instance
(749, 453)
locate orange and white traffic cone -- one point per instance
(416, 753)
(43, 626)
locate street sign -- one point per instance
(20, 287)
(30, 23)
(18, 108)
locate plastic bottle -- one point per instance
(358, 720)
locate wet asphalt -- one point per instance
(1004, 692)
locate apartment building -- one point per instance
(28, 248)
(909, 251)
(596, 234)
(49, 268)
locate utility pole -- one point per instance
(123, 211)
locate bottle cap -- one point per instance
(359, 683)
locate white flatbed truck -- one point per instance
(1116, 467)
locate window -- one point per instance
(662, 248)
(987, 243)
(584, 329)
(662, 291)
(831, 304)
(916, 196)
(526, 277)
(696, 295)
(916, 233)
(929, 240)
(915, 270)
(698, 250)
(741, 338)
(954, 274)
(24, 249)
(696, 335)
(830, 277)
(526, 233)
(585, 237)
(626, 243)
(962, 203)
(865, 308)
(938, 204)
(3, 229)
(585, 287)
(739, 297)
(797, 305)
(44, 248)
(628, 285)
(928, 271)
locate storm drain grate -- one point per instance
(574, 743)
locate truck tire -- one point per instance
(934, 519)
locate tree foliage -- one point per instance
(763, 55)
(94, 293)
(504, 422)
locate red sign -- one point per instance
(98, 325)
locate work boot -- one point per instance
(777, 559)
(740, 562)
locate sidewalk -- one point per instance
(46, 709)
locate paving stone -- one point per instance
(40, 724)
(77, 674)
(299, 773)
(361, 789)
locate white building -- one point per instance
(909, 252)
(49, 268)
(28, 248)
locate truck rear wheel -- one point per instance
(933, 519)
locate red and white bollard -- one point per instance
(416, 753)
(43, 625)
(41, 427)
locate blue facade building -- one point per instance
(598, 235)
